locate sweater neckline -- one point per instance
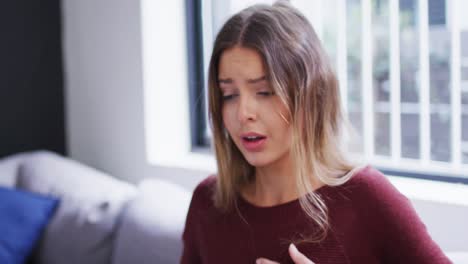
(277, 215)
(281, 214)
(291, 203)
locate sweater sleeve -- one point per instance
(190, 253)
(398, 230)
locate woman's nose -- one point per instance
(247, 109)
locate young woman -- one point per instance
(284, 191)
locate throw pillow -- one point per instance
(23, 217)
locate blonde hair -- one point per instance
(302, 77)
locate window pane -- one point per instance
(382, 134)
(410, 136)
(409, 51)
(222, 10)
(354, 43)
(381, 73)
(330, 27)
(464, 83)
(409, 82)
(355, 119)
(440, 135)
(464, 75)
(464, 99)
(464, 147)
(439, 67)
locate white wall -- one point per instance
(105, 106)
(104, 90)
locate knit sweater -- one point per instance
(370, 222)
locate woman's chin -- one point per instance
(257, 161)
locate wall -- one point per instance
(105, 111)
(31, 85)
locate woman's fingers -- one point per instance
(265, 261)
(297, 256)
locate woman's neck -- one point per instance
(273, 184)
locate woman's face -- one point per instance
(251, 111)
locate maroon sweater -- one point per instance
(370, 222)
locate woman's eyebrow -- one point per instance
(250, 81)
(256, 80)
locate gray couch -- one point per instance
(100, 220)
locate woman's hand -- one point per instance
(296, 256)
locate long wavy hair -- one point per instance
(300, 73)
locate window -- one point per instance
(403, 71)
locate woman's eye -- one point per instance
(228, 97)
(266, 93)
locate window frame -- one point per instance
(200, 142)
(196, 74)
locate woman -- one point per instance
(285, 192)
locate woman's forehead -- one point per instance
(240, 63)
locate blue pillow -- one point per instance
(23, 216)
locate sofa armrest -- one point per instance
(91, 202)
(9, 167)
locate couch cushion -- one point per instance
(83, 227)
(152, 225)
(23, 216)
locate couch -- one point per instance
(100, 219)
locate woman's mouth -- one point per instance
(253, 141)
